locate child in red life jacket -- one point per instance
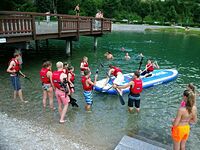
(14, 70)
(88, 88)
(135, 90)
(84, 65)
(45, 77)
(149, 68)
(59, 79)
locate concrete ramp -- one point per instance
(139, 143)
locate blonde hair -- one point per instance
(190, 100)
(59, 65)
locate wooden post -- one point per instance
(59, 26)
(47, 43)
(33, 27)
(95, 42)
(37, 45)
(102, 25)
(67, 49)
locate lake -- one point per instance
(109, 121)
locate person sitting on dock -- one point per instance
(15, 72)
(88, 88)
(84, 65)
(45, 77)
(149, 68)
(109, 55)
(59, 79)
(135, 90)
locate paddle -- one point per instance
(120, 96)
(140, 63)
(21, 74)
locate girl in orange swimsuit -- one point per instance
(185, 115)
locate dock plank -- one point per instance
(130, 143)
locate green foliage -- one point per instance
(171, 11)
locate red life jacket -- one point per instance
(43, 76)
(150, 67)
(116, 70)
(17, 65)
(137, 86)
(56, 78)
(85, 87)
(72, 76)
(85, 64)
(65, 71)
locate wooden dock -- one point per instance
(27, 26)
(140, 143)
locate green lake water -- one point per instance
(109, 121)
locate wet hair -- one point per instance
(137, 74)
(109, 52)
(86, 72)
(46, 64)
(70, 67)
(186, 93)
(190, 100)
(110, 66)
(192, 87)
(65, 64)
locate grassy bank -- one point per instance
(175, 30)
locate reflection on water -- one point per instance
(109, 121)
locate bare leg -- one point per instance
(176, 146)
(50, 95)
(130, 109)
(183, 143)
(87, 107)
(44, 100)
(137, 109)
(20, 95)
(64, 111)
(60, 108)
(15, 95)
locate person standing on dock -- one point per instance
(77, 10)
(84, 65)
(46, 79)
(180, 126)
(59, 79)
(15, 72)
(88, 84)
(135, 90)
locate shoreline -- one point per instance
(155, 28)
(20, 134)
(135, 27)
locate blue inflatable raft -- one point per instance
(158, 77)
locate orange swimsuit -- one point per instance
(180, 132)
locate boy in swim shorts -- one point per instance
(88, 87)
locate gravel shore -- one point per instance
(25, 135)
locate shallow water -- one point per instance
(109, 121)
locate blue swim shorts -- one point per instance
(15, 82)
(88, 97)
